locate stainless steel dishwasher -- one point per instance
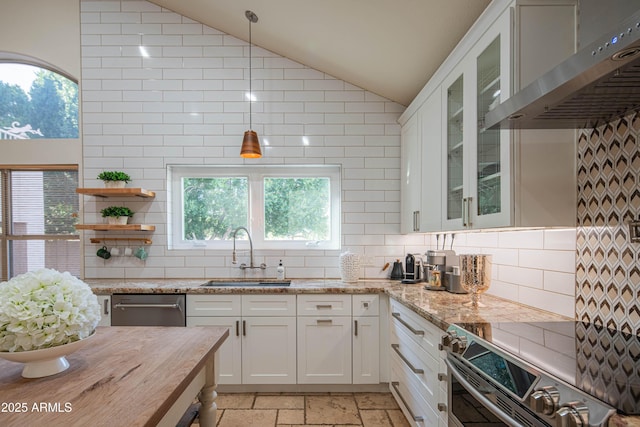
(148, 310)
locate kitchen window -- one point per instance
(283, 206)
(38, 211)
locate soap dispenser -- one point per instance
(280, 271)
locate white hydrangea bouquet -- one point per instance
(45, 308)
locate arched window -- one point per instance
(36, 100)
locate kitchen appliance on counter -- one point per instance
(540, 374)
(148, 310)
(443, 264)
(412, 269)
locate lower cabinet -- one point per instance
(338, 339)
(261, 347)
(418, 374)
(324, 350)
(105, 310)
(289, 339)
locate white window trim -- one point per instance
(256, 174)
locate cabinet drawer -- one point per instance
(418, 329)
(324, 304)
(423, 375)
(365, 305)
(268, 305)
(413, 404)
(213, 305)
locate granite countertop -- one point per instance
(193, 286)
(440, 308)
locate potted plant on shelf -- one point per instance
(117, 214)
(114, 179)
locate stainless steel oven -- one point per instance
(498, 377)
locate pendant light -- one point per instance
(250, 144)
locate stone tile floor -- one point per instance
(309, 410)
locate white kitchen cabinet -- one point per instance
(269, 350)
(416, 368)
(497, 177)
(410, 173)
(324, 339)
(105, 310)
(230, 353)
(366, 339)
(261, 347)
(421, 168)
(338, 339)
(324, 350)
(477, 164)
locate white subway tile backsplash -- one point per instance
(521, 276)
(556, 303)
(561, 261)
(564, 239)
(530, 239)
(562, 283)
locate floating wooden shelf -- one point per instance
(116, 227)
(117, 192)
(144, 240)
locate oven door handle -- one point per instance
(480, 396)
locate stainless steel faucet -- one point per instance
(233, 255)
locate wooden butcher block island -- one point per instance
(133, 376)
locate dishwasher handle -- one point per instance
(122, 306)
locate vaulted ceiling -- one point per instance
(388, 47)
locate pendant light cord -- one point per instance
(250, 91)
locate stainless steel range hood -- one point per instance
(598, 84)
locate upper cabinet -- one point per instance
(477, 161)
(480, 178)
(421, 168)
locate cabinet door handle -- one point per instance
(105, 307)
(415, 370)
(323, 306)
(442, 407)
(395, 386)
(244, 328)
(416, 220)
(237, 328)
(406, 325)
(355, 328)
(321, 321)
(442, 377)
(466, 211)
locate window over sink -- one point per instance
(283, 206)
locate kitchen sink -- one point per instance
(245, 283)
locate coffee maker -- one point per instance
(412, 269)
(435, 268)
(442, 270)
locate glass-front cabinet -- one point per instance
(489, 142)
(455, 144)
(477, 160)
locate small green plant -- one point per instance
(114, 176)
(116, 211)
